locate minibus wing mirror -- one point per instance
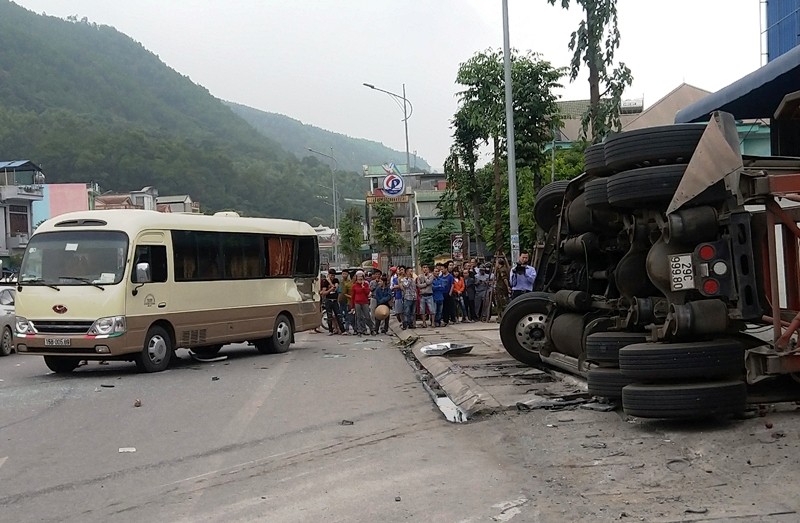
(143, 273)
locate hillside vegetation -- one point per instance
(88, 103)
(296, 137)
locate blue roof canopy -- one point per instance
(756, 95)
(19, 165)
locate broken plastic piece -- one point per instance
(204, 359)
(440, 349)
(346, 422)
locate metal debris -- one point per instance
(137, 403)
(346, 422)
(203, 359)
(440, 349)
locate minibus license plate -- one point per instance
(56, 342)
(681, 272)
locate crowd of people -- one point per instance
(437, 296)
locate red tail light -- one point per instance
(711, 286)
(707, 252)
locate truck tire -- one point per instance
(603, 347)
(607, 383)
(594, 160)
(687, 360)
(548, 204)
(651, 146)
(523, 326)
(655, 186)
(596, 194)
(685, 400)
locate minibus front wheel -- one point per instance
(156, 352)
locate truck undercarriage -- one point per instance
(670, 274)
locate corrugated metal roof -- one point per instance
(756, 95)
(19, 165)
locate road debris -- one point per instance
(440, 349)
(595, 445)
(346, 422)
(123, 450)
(137, 403)
(691, 510)
(214, 378)
(335, 356)
(397, 498)
(204, 359)
(105, 386)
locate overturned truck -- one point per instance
(669, 274)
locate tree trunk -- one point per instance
(476, 211)
(498, 197)
(594, 75)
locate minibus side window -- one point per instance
(156, 256)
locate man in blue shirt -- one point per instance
(522, 277)
(439, 287)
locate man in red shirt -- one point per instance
(361, 293)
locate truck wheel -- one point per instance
(523, 327)
(61, 364)
(661, 145)
(156, 352)
(655, 186)
(594, 161)
(280, 340)
(706, 359)
(685, 400)
(603, 347)
(596, 194)
(548, 204)
(607, 383)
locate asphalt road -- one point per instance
(253, 438)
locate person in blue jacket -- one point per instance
(440, 290)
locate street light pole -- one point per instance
(335, 206)
(406, 115)
(512, 162)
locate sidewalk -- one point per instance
(487, 379)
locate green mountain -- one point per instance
(297, 137)
(88, 103)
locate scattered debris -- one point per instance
(137, 403)
(564, 420)
(768, 424)
(204, 359)
(367, 340)
(549, 404)
(440, 349)
(397, 498)
(335, 355)
(97, 389)
(346, 422)
(127, 449)
(408, 342)
(107, 386)
(595, 445)
(701, 510)
(599, 407)
(778, 434)
(678, 464)
(214, 378)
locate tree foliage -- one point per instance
(434, 241)
(351, 235)
(386, 237)
(593, 43)
(480, 119)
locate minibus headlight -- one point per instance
(23, 326)
(108, 325)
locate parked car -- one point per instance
(7, 320)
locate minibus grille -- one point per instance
(61, 327)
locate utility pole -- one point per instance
(512, 161)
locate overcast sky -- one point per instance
(308, 58)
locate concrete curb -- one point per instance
(471, 398)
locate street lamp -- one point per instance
(335, 208)
(408, 110)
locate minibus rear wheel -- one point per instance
(61, 364)
(156, 352)
(280, 340)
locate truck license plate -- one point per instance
(56, 342)
(681, 272)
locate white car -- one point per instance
(7, 320)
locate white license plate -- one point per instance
(56, 342)
(681, 272)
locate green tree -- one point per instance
(593, 44)
(387, 238)
(435, 241)
(481, 119)
(351, 235)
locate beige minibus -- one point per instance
(135, 285)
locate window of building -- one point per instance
(17, 219)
